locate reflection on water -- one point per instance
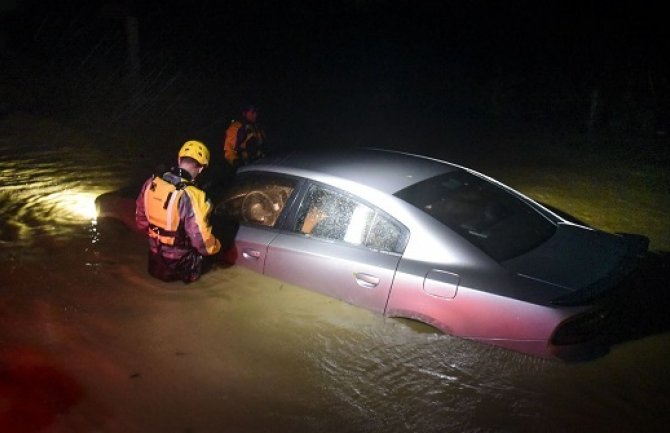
(73, 205)
(51, 191)
(238, 352)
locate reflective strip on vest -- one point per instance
(161, 204)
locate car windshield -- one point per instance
(493, 219)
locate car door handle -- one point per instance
(251, 254)
(366, 280)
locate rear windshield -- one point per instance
(493, 219)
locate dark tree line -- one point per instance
(587, 67)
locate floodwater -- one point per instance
(90, 343)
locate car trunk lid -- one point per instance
(583, 261)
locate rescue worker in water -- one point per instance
(174, 213)
(244, 141)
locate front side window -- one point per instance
(257, 200)
(333, 216)
(498, 222)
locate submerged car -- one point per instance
(414, 237)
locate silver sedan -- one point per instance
(414, 237)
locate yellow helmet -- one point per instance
(196, 150)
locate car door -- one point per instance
(256, 205)
(338, 245)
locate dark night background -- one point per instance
(416, 75)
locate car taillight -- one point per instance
(580, 329)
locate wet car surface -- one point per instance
(419, 238)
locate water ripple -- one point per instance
(52, 190)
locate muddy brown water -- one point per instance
(90, 343)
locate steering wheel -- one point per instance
(257, 207)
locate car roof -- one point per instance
(385, 170)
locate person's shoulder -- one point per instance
(195, 193)
(148, 181)
(234, 126)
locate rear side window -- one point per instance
(257, 200)
(334, 216)
(493, 219)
